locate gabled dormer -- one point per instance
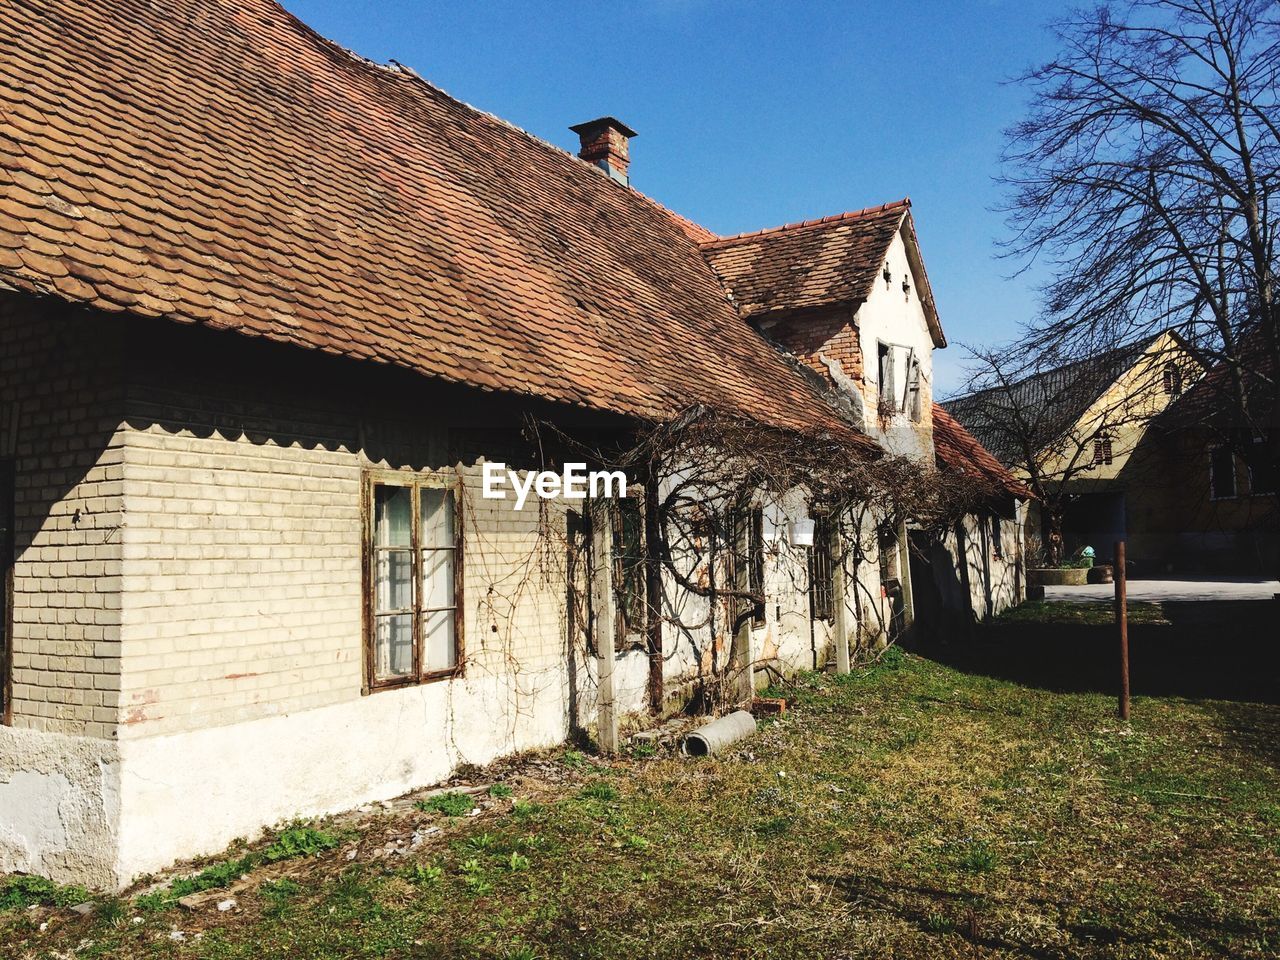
(848, 295)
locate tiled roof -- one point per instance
(813, 263)
(216, 162)
(1042, 407)
(1211, 399)
(957, 450)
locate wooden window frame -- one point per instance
(913, 400)
(450, 482)
(886, 389)
(1171, 377)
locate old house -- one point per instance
(1210, 502)
(269, 311)
(1133, 439)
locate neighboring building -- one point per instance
(267, 309)
(1210, 500)
(1115, 434)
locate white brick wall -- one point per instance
(243, 575)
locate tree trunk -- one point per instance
(1053, 541)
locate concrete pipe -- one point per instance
(718, 734)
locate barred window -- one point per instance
(821, 570)
(1102, 449)
(414, 585)
(630, 570)
(748, 551)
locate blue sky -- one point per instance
(752, 114)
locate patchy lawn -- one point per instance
(910, 810)
(1074, 613)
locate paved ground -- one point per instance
(1181, 588)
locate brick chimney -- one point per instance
(604, 143)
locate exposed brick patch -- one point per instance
(813, 334)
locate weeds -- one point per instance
(21, 891)
(599, 791)
(451, 804)
(977, 857)
(299, 841)
(423, 874)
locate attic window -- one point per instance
(914, 406)
(884, 358)
(1172, 379)
(1102, 450)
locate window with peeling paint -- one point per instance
(413, 579)
(884, 369)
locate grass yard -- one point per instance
(909, 810)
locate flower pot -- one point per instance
(801, 532)
(1058, 576)
(1101, 573)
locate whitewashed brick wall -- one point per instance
(242, 558)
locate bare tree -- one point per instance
(1146, 175)
(1053, 425)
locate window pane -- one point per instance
(630, 564)
(441, 651)
(1222, 472)
(393, 580)
(392, 516)
(1262, 473)
(437, 517)
(437, 578)
(393, 646)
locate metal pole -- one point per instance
(1122, 618)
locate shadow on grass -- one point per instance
(1218, 650)
(1090, 928)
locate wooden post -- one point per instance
(838, 584)
(744, 661)
(904, 575)
(1122, 618)
(604, 616)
